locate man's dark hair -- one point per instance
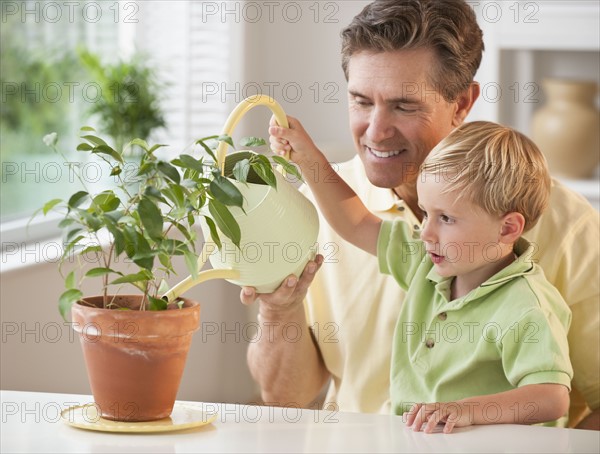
(447, 27)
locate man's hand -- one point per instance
(288, 297)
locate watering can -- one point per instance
(279, 227)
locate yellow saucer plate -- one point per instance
(183, 417)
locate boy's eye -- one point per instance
(445, 219)
(424, 214)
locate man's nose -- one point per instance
(381, 126)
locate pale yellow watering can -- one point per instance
(279, 227)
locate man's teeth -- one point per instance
(384, 154)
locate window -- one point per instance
(45, 87)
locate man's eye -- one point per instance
(404, 108)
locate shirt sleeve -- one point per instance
(400, 251)
(535, 350)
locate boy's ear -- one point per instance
(511, 228)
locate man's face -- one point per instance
(396, 114)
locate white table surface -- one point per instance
(31, 423)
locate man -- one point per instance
(410, 68)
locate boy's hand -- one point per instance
(427, 416)
(294, 140)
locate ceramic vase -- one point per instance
(567, 128)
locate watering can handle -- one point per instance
(238, 113)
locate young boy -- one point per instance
(482, 335)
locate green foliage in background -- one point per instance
(129, 105)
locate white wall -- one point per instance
(303, 59)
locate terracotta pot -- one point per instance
(566, 128)
(134, 359)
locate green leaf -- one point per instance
(240, 170)
(94, 139)
(118, 238)
(49, 205)
(50, 139)
(66, 300)
(105, 149)
(65, 223)
(169, 171)
(151, 191)
(214, 234)
(175, 193)
(165, 260)
(151, 218)
(96, 272)
(70, 245)
(252, 142)
(187, 233)
(83, 146)
(262, 166)
(71, 233)
(157, 304)
(70, 280)
(142, 276)
(107, 201)
(153, 148)
(202, 143)
(225, 221)
(77, 199)
(227, 139)
(288, 167)
(172, 247)
(91, 220)
(140, 142)
(189, 162)
(191, 261)
(163, 287)
(94, 248)
(87, 128)
(116, 170)
(225, 191)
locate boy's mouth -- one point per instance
(435, 258)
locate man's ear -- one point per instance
(465, 102)
(511, 228)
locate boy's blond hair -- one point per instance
(495, 167)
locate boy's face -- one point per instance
(461, 239)
(396, 114)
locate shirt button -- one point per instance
(429, 343)
(400, 208)
(442, 316)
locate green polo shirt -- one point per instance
(510, 331)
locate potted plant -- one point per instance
(135, 345)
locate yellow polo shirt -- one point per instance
(353, 308)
